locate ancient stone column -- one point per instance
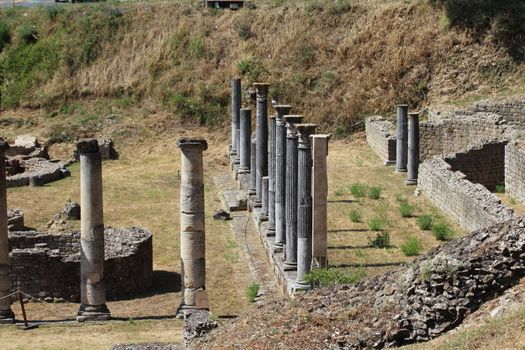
(6, 314)
(253, 156)
(270, 231)
(402, 138)
(413, 148)
(192, 226)
(245, 143)
(280, 173)
(262, 138)
(92, 287)
(304, 204)
(320, 199)
(236, 106)
(264, 191)
(290, 262)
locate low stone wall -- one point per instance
(48, 265)
(515, 171)
(15, 220)
(38, 171)
(512, 109)
(380, 135)
(471, 205)
(484, 163)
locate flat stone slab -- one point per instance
(232, 198)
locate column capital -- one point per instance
(261, 87)
(88, 145)
(282, 110)
(413, 114)
(184, 143)
(246, 109)
(4, 146)
(305, 130)
(402, 105)
(291, 121)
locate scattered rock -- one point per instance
(222, 215)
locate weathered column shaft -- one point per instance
(304, 201)
(245, 143)
(92, 285)
(6, 314)
(271, 180)
(192, 224)
(264, 208)
(402, 138)
(262, 139)
(280, 173)
(291, 192)
(253, 156)
(413, 148)
(235, 106)
(320, 199)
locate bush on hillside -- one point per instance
(27, 34)
(5, 35)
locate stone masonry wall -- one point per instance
(483, 164)
(515, 171)
(512, 109)
(471, 205)
(380, 135)
(48, 266)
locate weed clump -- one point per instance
(5, 35)
(374, 193)
(425, 222)
(331, 277)
(252, 292)
(411, 246)
(406, 210)
(500, 188)
(442, 231)
(355, 216)
(381, 240)
(358, 190)
(376, 223)
(27, 34)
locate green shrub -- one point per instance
(406, 209)
(411, 246)
(196, 47)
(358, 190)
(330, 277)
(355, 216)
(252, 292)
(5, 35)
(442, 231)
(381, 240)
(424, 222)
(52, 12)
(374, 193)
(376, 223)
(251, 68)
(243, 27)
(26, 34)
(500, 188)
(401, 197)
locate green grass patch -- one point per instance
(376, 223)
(406, 210)
(381, 240)
(425, 222)
(500, 188)
(411, 246)
(252, 291)
(374, 193)
(358, 190)
(355, 215)
(442, 231)
(331, 277)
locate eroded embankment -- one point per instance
(414, 303)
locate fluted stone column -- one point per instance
(413, 148)
(264, 208)
(245, 142)
(270, 231)
(236, 106)
(262, 139)
(192, 225)
(402, 138)
(6, 314)
(290, 262)
(304, 204)
(253, 156)
(92, 286)
(320, 200)
(280, 173)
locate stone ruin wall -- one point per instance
(380, 135)
(512, 109)
(515, 171)
(48, 265)
(471, 205)
(484, 164)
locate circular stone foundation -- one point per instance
(47, 266)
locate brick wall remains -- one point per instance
(380, 135)
(515, 171)
(512, 109)
(471, 205)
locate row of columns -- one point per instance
(281, 180)
(407, 144)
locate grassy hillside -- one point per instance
(335, 61)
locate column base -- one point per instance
(257, 204)
(389, 162)
(88, 313)
(302, 287)
(401, 170)
(243, 171)
(270, 232)
(262, 217)
(411, 182)
(290, 266)
(7, 316)
(278, 248)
